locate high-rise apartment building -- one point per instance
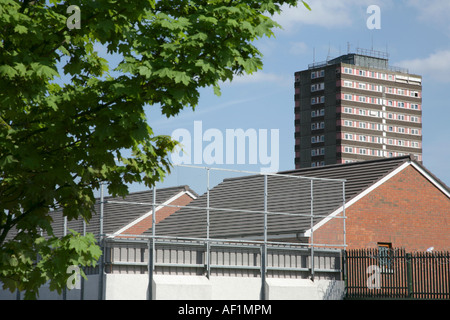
(356, 107)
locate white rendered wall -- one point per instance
(179, 287)
(125, 286)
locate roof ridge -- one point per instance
(356, 163)
(180, 187)
(331, 166)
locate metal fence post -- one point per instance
(153, 226)
(82, 278)
(343, 216)
(150, 270)
(409, 275)
(264, 246)
(64, 293)
(312, 230)
(151, 248)
(102, 245)
(345, 271)
(208, 247)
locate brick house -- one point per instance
(408, 207)
(393, 202)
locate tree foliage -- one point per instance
(65, 120)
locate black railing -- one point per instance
(393, 273)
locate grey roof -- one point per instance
(284, 195)
(115, 215)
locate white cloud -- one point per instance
(259, 77)
(436, 65)
(431, 9)
(435, 12)
(326, 13)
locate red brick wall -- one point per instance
(161, 214)
(407, 211)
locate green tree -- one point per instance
(65, 119)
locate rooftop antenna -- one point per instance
(348, 47)
(329, 47)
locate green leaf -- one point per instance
(21, 69)
(145, 71)
(45, 71)
(7, 71)
(182, 77)
(78, 244)
(20, 29)
(7, 160)
(306, 5)
(13, 262)
(52, 103)
(217, 91)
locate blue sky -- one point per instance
(416, 34)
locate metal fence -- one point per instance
(219, 258)
(156, 253)
(280, 202)
(394, 273)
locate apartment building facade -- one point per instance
(354, 108)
